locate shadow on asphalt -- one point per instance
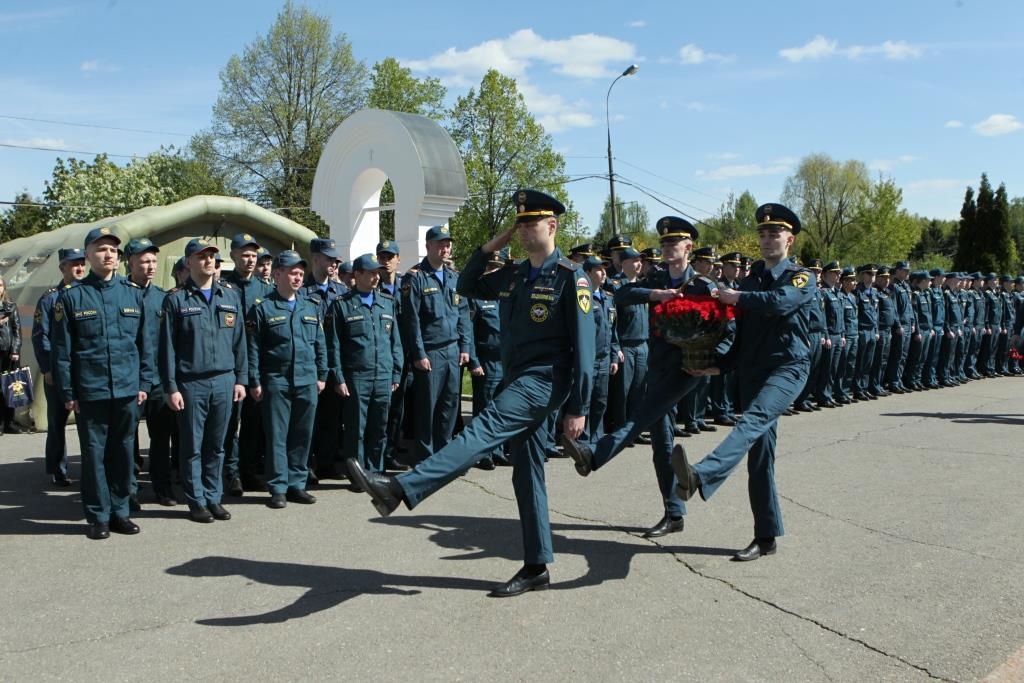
(473, 537)
(1013, 419)
(31, 505)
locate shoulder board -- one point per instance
(348, 295)
(257, 301)
(567, 264)
(413, 270)
(225, 284)
(710, 281)
(51, 290)
(384, 294)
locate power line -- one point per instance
(669, 180)
(637, 185)
(93, 125)
(66, 151)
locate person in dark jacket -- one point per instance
(10, 350)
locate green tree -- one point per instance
(23, 218)
(734, 227)
(828, 195)
(937, 237)
(967, 232)
(1016, 211)
(882, 231)
(503, 148)
(1005, 248)
(631, 219)
(393, 87)
(280, 101)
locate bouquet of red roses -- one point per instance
(696, 324)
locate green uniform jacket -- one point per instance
(366, 342)
(200, 339)
(547, 322)
(286, 347)
(99, 342)
(434, 314)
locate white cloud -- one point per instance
(93, 66)
(724, 156)
(34, 142)
(746, 170)
(639, 23)
(694, 54)
(581, 56)
(696, 106)
(552, 111)
(20, 17)
(998, 124)
(821, 47)
(886, 165)
(953, 123)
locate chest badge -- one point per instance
(229, 319)
(539, 313)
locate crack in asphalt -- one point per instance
(807, 655)
(733, 587)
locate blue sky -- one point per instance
(728, 97)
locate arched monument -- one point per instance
(371, 146)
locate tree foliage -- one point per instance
(280, 101)
(985, 240)
(503, 148)
(882, 231)
(937, 237)
(734, 227)
(631, 219)
(828, 195)
(23, 218)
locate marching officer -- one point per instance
(244, 445)
(204, 369)
(436, 330)
(886, 323)
(485, 361)
(546, 308)
(72, 269)
(867, 330)
(365, 359)
(832, 348)
(287, 355)
(772, 353)
(103, 372)
(142, 260)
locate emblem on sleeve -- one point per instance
(539, 313)
(583, 299)
(800, 280)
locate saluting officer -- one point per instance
(72, 269)
(103, 371)
(772, 352)
(142, 261)
(287, 371)
(835, 327)
(886, 323)
(243, 447)
(668, 383)
(485, 360)
(867, 330)
(437, 335)
(606, 346)
(365, 359)
(546, 313)
(323, 288)
(204, 369)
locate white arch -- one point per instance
(374, 145)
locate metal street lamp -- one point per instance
(608, 126)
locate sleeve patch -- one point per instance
(800, 280)
(583, 299)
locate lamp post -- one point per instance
(608, 126)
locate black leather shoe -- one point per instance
(814, 406)
(804, 408)
(165, 498)
(687, 481)
(666, 525)
(202, 515)
(725, 422)
(219, 512)
(580, 453)
(758, 548)
(234, 487)
(827, 404)
(300, 496)
(133, 504)
(384, 491)
(789, 411)
(643, 440)
(692, 429)
(98, 531)
(704, 427)
(277, 501)
(525, 580)
(123, 525)
(843, 400)
(485, 464)
(61, 480)
(392, 465)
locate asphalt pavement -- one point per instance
(903, 560)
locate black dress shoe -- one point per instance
(666, 525)
(392, 465)
(815, 407)
(219, 512)
(385, 491)
(843, 400)
(705, 427)
(202, 515)
(692, 429)
(725, 422)
(234, 487)
(789, 411)
(580, 453)
(688, 482)
(277, 501)
(643, 439)
(98, 531)
(485, 464)
(165, 498)
(526, 579)
(61, 480)
(827, 404)
(804, 408)
(759, 547)
(300, 496)
(123, 525)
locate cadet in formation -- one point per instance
(287, 355)
(546, 307)
(103, 370)
(771, 350)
